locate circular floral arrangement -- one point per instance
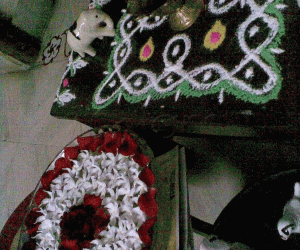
(95, 195)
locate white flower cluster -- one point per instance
(113, 178)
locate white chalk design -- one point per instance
(64, 96)
(145, 85)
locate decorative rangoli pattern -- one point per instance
(63, 94)
(255, 78)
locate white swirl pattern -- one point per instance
(165, 83)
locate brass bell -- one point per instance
(169, 7)
(186, 15)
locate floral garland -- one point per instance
(96, 195)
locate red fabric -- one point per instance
(13, 224)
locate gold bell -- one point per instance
(186, 15)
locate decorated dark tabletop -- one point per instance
(252, 216)
(237, 64)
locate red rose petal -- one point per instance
(144, 231)
(148, 204)
(62, 163)
(85, 244)
(47, 178)
(112, 142)
(101, 213)
(92, 200)
(98, 231)
(100, 220)
(33, 230)
(30, 220)
(67, 244)
(147, 176)
(141, 159)
(39, 196)
(84, 142)
(128, 145)
(71, 152)
(98, 141)
(30, 245)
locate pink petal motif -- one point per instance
(144, 231)
(148, 204)
(147, 177)
(65, 82)
(215, 37)
(146, 51)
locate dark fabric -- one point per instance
(278, 112)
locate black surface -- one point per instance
(251, 217)
(278, 117)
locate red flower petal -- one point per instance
(128, 145)
(148, 204)
(47, 178)
(84, 142)
(147, 176)
(62, 163)
(98, 231)
(112, 142)
(100, 220)
(101, 213)
(30, 245)
(144, 231)
(92, 200)
(85, 244)
(71, 152)
(67, 244)
(140, 158)
(39, 196)
(30, 220)
(98, 141)
(33, 230)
